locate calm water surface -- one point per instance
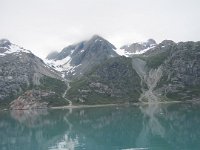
(153, 127)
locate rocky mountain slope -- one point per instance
(114, 81)
(172, 70)
(77, 59)
(93, 73)
(181, 70)
(166, 72)
(20, 70)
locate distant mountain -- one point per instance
(20, 71)
(137, 48)
(79, 58)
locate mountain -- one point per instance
(180, 65)
(168, 71)
(172, 71)
(91, 72)
(137, 48)
(20, 72)
(77, 59)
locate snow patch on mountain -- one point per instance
(142, 51)
(120, 52)
(74, 60)
(12, 48)
(63, 65)
(136, 48)
(59, 64)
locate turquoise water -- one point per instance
(153, 127)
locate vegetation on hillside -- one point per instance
(114, 81)
(53, 85)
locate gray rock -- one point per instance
(181, 69)
(19, 71)
(32, 99)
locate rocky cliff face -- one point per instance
(181, 72)
(31, 99)
(77, 59)
(20, 70)
(179, 66)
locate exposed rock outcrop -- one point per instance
(32, 99)
(180, 67)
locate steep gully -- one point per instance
(148, 78)
(64, 94)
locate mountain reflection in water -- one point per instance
(153, 126)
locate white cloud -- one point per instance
(46, 25)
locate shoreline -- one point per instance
(105, 105)
(161, 102)
(85, 106)
(109, 105)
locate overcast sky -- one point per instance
(46, 25)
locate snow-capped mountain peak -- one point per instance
(76, 59)
(136, 48)
(6, 47)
